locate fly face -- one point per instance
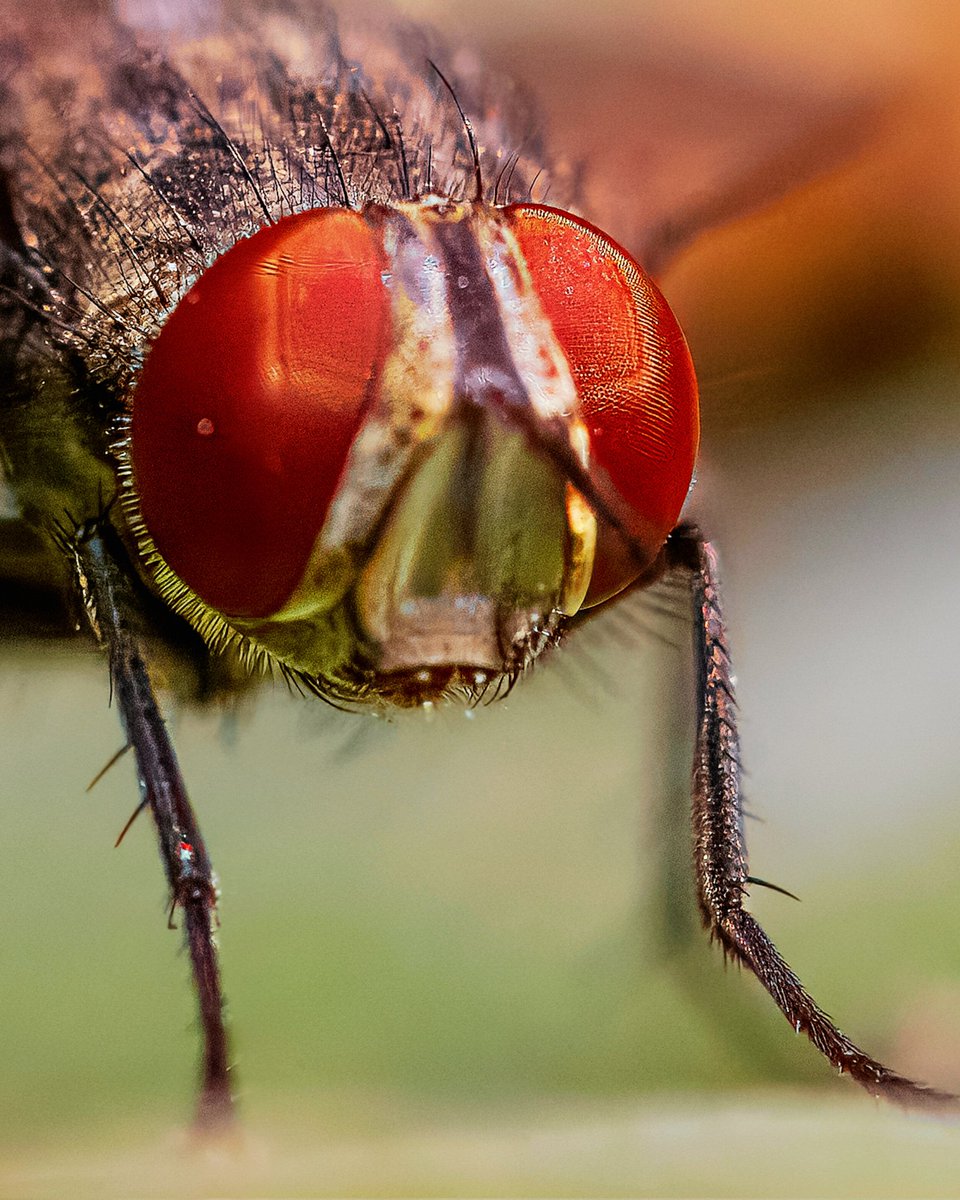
(373, 443)
(365, 420)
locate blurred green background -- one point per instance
(458, 953)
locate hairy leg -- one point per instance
(102, 575)
(720, 852)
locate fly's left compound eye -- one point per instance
(249, 401)
(633, 375)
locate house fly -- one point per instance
(314, 361)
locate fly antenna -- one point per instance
(477, 177)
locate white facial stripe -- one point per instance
(413, 394)
(536, 354)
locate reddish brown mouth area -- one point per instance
(437, 684)
(452, 680)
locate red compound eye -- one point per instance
(633, 374)
(249, 401)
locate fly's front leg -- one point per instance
(108, 595)
(720, 853)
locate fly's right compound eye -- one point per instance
(633, 374)
(249, 402)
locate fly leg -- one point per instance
(720, 853)
(103, 575)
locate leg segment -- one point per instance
(720, 853)
(110, 603)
